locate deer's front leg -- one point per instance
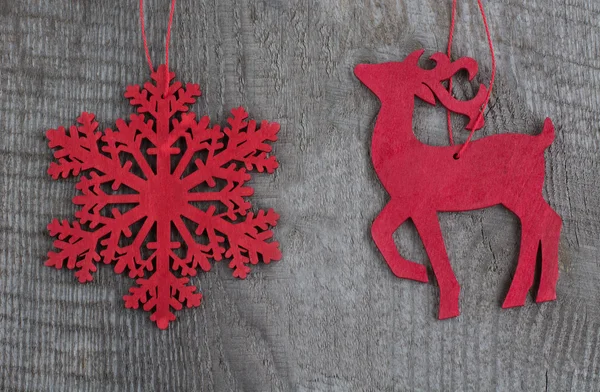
(384, 226)
(525, 272)
(428, 226)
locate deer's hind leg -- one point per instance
(525, 272)
(429, 229)
(540, 225)
(384, 226)
(550, 242)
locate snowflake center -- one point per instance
(165, 196)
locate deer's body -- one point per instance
(494, 169)
(423, 180)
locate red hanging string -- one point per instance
(493, 77)
(169, 34)
(144, 36)
(449, 51)
(168, 39)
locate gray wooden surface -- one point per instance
(330, 316)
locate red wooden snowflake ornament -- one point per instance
(159, 176)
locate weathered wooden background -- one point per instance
(330, 316)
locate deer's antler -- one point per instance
(444, 70)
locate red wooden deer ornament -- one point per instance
(505, 169)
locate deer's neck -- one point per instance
(393, 131)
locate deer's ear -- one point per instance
(426, 94)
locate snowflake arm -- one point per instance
(184, 98)
(77, 249)
(140, 97)
(130, 257)
(199, 137)
(73, 147)
(129, 138)
(78, 150)
(93, 198)
(149, 293)
(248, 240)
(249, 145)
(147, 98)
(197, 255)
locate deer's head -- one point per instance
(396, 82)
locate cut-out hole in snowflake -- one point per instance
(178, 182)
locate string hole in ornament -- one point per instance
(456, 156)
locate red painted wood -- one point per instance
(421, 180)
(161, 194)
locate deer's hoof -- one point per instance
(412, 271)
(546, 297)
(447, 312)
(449, 302)
(511, 302)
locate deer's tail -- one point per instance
(547, 135)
